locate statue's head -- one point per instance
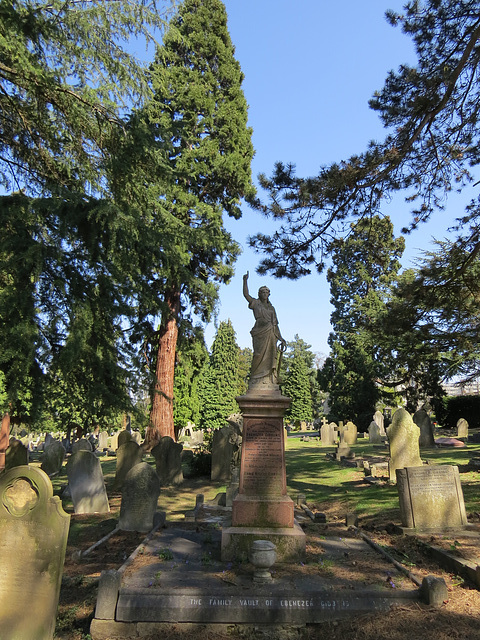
(263, 293)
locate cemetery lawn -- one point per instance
(329, 487)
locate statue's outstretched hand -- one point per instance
(245, 277)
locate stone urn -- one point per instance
(262, 556)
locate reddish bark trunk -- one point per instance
(161, 415)
(4, 439)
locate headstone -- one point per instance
(350, 433)
(53, 457)
(124, 436)
(87, 486)
(168, 461)
(343, 448)
(327, 434)
(128, 455)
(114, 441)
(197, 437)
(378, 417)
(33, 540)
(16, 455)
(462, 428)
(137, 437)
(222, 451)
(403, 436)
(374, 435)
(81, 445)
(431, 498)
(334, 428)
(140, 492)
(48, 440)
(103, 440)
(422, 420)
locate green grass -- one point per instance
(325, 481)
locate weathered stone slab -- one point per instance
(422, 420)
(462, 428)
(87, 486)
(222, 452)
(16, 455)
(140, 492)
(350, 433)
(33, 539)
(292, 608)
(327, 435)
(128, 455)
(103, 440)
(374, 434)
(403, 435)
(81, 445)
(431, 498)
(168, 461)
(53, 457)
(123, 437)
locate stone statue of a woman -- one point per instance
(266, 336)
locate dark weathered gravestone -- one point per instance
(81, 445)
(128, 455)
(168, 461)
(431, 498)
(462, 428)
(16, 455)
(140, 492)
(422, 420)
(403, 436)
(87, 486)
(33, 539)
(222, 451)
(123, 437)
(52, 458)
(374, 435)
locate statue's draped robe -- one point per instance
(265, 335)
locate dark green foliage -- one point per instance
(245, 357)
(65, 78)
(296, 384)
(365, 266)
(191, 357)
(220, 382)
(455, 407)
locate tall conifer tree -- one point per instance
(190, 153)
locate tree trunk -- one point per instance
(161, 415)
(4, 438)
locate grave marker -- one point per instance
(422, 420)
(128, 455)
(140, 492)
(462, 428)
(53, 457)
(16, 455)
(403, 436)
(33, 539)
(431, 498)
(168, 461)
(87, 486)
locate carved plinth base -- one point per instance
(289, 542)
(259, 511)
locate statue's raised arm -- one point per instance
(268, 343)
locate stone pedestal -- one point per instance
(262, 508)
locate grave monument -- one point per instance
(33, 539)
(87, 486)
(403, 435)
(262, 510)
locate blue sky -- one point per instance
(310, 68)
